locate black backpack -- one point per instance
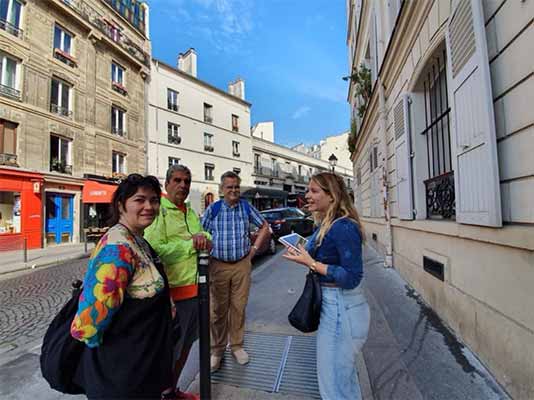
(61, 353)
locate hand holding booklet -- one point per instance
(293, 240)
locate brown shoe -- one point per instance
(215, 362)
(241, 356)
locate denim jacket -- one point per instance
(341, 250)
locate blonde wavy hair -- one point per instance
(341, 206)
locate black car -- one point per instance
(284, 221)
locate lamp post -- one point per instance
(332, 160)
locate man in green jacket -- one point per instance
(176, 234)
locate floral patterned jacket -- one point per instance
(119, 266)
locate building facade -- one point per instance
(281, 174)
(333, 144)
(197, 125)
(72, 90)
(441, 95)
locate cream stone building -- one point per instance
(281, 174)
(333, 144)
(443, 163)
(72, 107)
(193, 123)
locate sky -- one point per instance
(291, 53)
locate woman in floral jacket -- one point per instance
(124, 315)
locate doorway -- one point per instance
(59, 218)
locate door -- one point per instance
(59, 218)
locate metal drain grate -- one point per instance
(278, 363)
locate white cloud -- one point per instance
(301, 112)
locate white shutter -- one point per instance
(474, 145)
(403, 158)
(373, 47)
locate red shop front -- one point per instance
(20, 209)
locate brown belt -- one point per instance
(229, 262)
(329, 284)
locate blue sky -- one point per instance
(291, 54)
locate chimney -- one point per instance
(187, 62)
(237, 88)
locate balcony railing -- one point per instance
(8, 91)
(236, 154)
(208, 119)
(60, 166)
(302, 179)
(98, 20)
(63, 111)
(235, 128)
(118, 131)
(173, 139)
(10, 28)
(208, 147)
(266, 171)
(119, 87)
(173, 106)
(440, 199)
(8, 159)
(65, 57)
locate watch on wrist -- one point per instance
(313, 266)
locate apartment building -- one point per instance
(336, 145)
(198, 125)
(443, 127)
(281, 174)
(72, 90)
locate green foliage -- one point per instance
(361, 78)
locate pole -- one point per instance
(204, 324)
(25, 250)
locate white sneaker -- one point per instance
(215, 362)
(241, 356)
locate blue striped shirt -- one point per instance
(230, 230)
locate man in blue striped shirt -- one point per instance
(228, 221)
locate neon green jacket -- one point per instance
(171, 236)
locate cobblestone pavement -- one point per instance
(30, 301)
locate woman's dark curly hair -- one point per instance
(127, 188)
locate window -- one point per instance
(208, 142)
(436, 131)
(208, 117)
(118, 121)
(235, 123)
(172, 100)
(373, 158)
(60, 98)
(60, 154)
(117, 78)
(257, 163)
(118, 166)
(208, 171)
(8, 77)
(9, 212)
(274, 167)
(173, 161)
(237, 170)
(10, 16)
(173, 133)
(235, 148)
(8, 143)
(63, 46)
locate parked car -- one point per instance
(286, 220)
(268, 246)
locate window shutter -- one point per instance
(474, 145)
(403, 158)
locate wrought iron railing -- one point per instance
(174, 139)
(118, 131)
(8, 159)
(98, 20)
(63, 111)
(8, 91)
(208, 119)
(62, 167)
(65, 57)
(209, 148)
(440, 199)
(10, 28)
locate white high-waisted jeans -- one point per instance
(343, 330)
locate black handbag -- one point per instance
(60, 352)
(306, 314)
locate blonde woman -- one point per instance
(334, 251)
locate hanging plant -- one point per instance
(361, 78)
(351, 141)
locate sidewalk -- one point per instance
(13, 261)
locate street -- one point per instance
(410, 353)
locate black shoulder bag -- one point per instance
(306, 314)
(61, 353)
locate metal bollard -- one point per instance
(25, 250)
(204, 324)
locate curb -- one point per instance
(46, 264)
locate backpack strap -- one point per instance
(215, 208)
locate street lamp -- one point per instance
(332, 160)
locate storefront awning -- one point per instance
(96, 192)
(262, 193)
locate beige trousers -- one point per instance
(229, 290)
